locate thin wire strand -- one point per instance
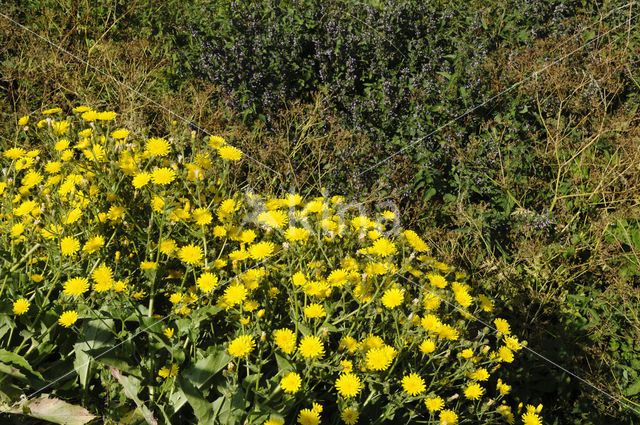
(140, 331)
(145, 97)
(494, 97)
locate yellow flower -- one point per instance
(23, 120)
(230, 153)
(207, 282)
(502, 326)
(202, 217)
(274, 219)
(296, 234)
(448, 417)
(14, 153)
(234, 294)
(148, 265)
(485, 303)
(261, 250)
(241, 346)
(311, 347)
(347, 366)
(68, 318)
(120, 134)
(157, 147)
(51, 111)
(165, 372)
(76, 286)
(314, 311)
(105, 116)
(348, 385)
(53, 167)
(69, 246)
(447, 332)
(414, 240)
(290, 383)
(103, 277)
(31, 179)
(309, 417)
(430, 322)
(503, 388)
(17, 229)
(115, 212)
(505, 354)
(285, 339)
(393, 297)
(413, 384)
(25, 208)
(190, 254)
(216, 142)
(473, 391)
(434, 404)
(59, 128)
(141, 179)
(437, 280)
(163, 176)
(531, 418)
(428, 346)
(348, 343)
(349, 416)
(167, 246)
(479, 375)
(168, 332)
(93, 244)
(61, 145)
(383, 247)
(467, 353)
(380, 358)
(21, 306)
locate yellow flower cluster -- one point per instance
(305, 296)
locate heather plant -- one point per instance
(136, 285)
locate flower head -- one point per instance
(311, 347)
(207, 282)
(290, 383)
(413, 384)
(392, 298)
(285, 339)
(76, 286)
(21, 306)
(241, 346)
(68, 318)
(348, 385)
(473, 391)
(69, 246)
(230, 153)
(190, 254)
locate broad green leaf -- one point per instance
(204, 369)
(96, 334)
(110, 358)
(52, 410)
(201, 407)
(131, 386)
(12, 358)
(632, 389)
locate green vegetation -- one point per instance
(535, 194)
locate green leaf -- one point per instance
(97, 334)
(633, 389)
(8, 357)
(131, 386)
(52, 410)
(110, 358)
(204, 369)
(201, 407)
